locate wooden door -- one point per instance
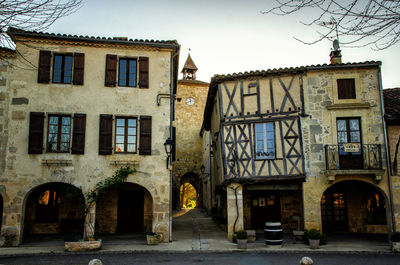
(130, 211)
(349, 131)
(334, 212)
(265, 207)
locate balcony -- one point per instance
(354, 158)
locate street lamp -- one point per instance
(168, 148)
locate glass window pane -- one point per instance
(65, 138)
(259, 128)
(68, 69)
(66, 120)
(53, 120)
(65, 129)
(64, 147)
(132, 122)
(120, 139)
(342, 137)
(131, 131)
(341, 125)
(120, 122)
(355, 137)
(270, 127)
(119, 148)
(354, 126)
(132, 148)
(53, 129)
(131, 139)
(120, 130)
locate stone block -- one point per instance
(19, 101)
(18, 115)
(2, 96)
(82, 246)
(315, 129)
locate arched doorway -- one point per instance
(355, 207)
(125, 210)
(190, 180)
(188, 196)
(54, 209)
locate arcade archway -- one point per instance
(54, 209)
(125, 210)
(355, 207)
(188, 196)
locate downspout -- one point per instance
(172, 116)
(237, 208)
(210, 170)
(387, 149)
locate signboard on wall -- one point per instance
(351, 147)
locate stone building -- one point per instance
(81, 108)
(392, 117)
(190, 100)
(304, 146)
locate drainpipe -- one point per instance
(387, 152)
(210, 171)
(172, 117)
(237, 208)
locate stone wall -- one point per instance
(188, 122)
(319, 129)
(24, 172)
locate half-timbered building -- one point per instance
(302, 146)
(258, 161)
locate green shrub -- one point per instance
(314, 234)
(241, 234)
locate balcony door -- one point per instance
(349, 141)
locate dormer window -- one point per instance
(346, 88)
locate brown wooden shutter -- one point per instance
(79, 65)
(111, 70)
(105, 136)
(44, 67)
(36, 123)
(145, 135)
(144, 72)
(346, 88)
(78, 134)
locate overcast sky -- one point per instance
(225, 36)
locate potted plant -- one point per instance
(396, 242)
(241, 238)
(314, 237)
(153, 238)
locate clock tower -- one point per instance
(191, 96)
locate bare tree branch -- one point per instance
(358, 23)
(33, 15)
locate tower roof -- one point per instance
(189, 65)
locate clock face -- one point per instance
(190, 101)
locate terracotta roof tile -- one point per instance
(391, 98)
(13, 32)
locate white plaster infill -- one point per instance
(352, 105)
(376, 174)
(57, 162)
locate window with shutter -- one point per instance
(145, 135)
(125, 135)
(79, 65)
(127, 72)
(346, 88)
(105, 134)
(36, 123)
(44, 67)
(78, 135)
(59, 133)
(111, 70)
(62, 68)
(144, 72)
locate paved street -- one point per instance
(205, 258)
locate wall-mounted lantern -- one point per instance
(168, 149)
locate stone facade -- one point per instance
(26, 172)
(191, 96)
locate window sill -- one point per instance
(352, 105)
(53, 162)
(124, 162)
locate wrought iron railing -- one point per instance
(370, 156)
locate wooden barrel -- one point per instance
(273, 233)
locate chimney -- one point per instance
(336, 55)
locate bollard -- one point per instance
(95, 262)
(306, 261)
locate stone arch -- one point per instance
(53, 208)
(356, 206)
(195, 181)
(125, 209)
